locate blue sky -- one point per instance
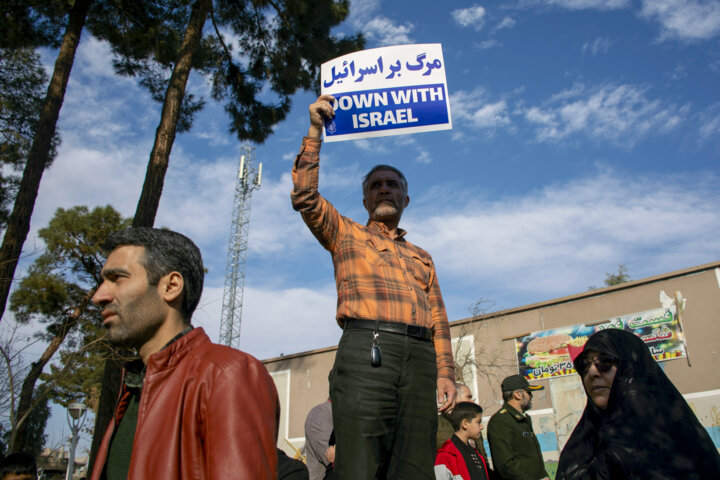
(586, 135)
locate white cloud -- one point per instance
(506, 22)
(679, 72)
(205, 215)
(688, 20)
(710, 122)
(386, 32)
(561, 237)
(474, 109)
(487, 44)
(599, 45)
(424, 157)
(213, 133)
(276, 320)
(621, 114)
(368, 146)
(714, 65)
(363, 9)
(94, 58)
(589, 4)
(377, 28)
(472, 16)
(276, 227)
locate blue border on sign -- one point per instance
(389, 108)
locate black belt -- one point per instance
(408, 329)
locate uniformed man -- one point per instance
(514, 448)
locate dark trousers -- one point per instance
(385, 418)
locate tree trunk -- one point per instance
(165, 134)
(19, 221)
(152, 189)
(25, 404)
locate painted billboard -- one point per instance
(546, 353)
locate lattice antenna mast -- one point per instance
(247, 181)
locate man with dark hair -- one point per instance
(514, 448)
(18, 466)
(188, 408)
(395, 349)
(386, 168)
(165, 251)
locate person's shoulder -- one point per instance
(447, 449)
(501, 416)
(320, 410)
(223, 358)
(500, 413)
(421, 252)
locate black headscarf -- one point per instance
(647, 432)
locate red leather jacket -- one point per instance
(206, 411)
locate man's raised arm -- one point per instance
(319, 111)
(319, 215)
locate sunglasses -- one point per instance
(602, 362)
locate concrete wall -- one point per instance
(302, 381)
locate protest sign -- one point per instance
(387, 91)
(546, 353)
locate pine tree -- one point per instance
(279, 44)
(18, 224)
(22, 84)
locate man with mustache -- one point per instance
(515, 450)
(395, 348)
(188, 408)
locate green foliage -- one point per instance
(617, 278)
(22, 90)
(32, 23)
(280, 45)
(56, 292)
(36, 423)
(70, 266)
(78, 374)
(611, 279)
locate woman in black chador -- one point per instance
(636, 425)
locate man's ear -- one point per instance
(407, 200)
(171, 286)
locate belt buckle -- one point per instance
(414, 330)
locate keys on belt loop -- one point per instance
(375, 354)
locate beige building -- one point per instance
(485, 348)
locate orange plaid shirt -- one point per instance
(378, 277)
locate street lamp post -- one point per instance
(76, 417)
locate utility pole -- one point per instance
(248, 180)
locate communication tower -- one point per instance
(248, 180)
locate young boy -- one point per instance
(457, 460)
